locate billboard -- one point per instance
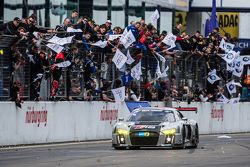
(229, 23)
(182, 5)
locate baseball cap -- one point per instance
(109, 21)
(17, 19)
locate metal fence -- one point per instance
(187, 69)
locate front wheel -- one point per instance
(134, 148)
(182, 145)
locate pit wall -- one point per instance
(49, 122)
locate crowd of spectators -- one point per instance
(93, 81)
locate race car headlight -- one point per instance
(169, 131)
(122, 132)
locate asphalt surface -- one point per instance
(213, 150)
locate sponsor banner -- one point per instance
(108, 115)
(181, 17)
(229, 23)
(242, 44)
(133, 105)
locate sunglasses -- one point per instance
(32, 21)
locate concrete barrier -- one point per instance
(218, 117)
(46, 122)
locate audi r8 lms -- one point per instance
(155, 127)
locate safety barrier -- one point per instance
(47, 122)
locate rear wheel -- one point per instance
(196, 137)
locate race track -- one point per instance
(212, 151)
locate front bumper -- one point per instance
(157, 140)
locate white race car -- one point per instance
(155, 127)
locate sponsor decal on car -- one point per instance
(144, 127)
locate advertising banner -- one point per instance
(229, 23)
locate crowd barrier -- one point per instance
(49, 122)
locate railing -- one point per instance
(188, 70)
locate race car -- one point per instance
(155, 127)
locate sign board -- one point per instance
(228, 23)
(181, 17)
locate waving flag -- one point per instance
(119, 59)
(231, 87)
(238, 69)
(155, 16)
(226, 46)
(229, 57)
(245, 60)
(119, 93)
(231, 66)
(136, 71)
(55, 47)
(70, 29)
(212, 77)
(100, 43)
(130, 60)
(223, 99)
(113, 37)
(158, 70)
(234, 100)
(61, 41)
(63, 64)
(170, 40)
(161, 57)
(128, 39)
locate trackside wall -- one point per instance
(46, 122)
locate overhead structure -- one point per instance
(182, 5)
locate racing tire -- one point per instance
(134, 147)
(196, 138)
(119, 148)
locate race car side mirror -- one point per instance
(120, 119)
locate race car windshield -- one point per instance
(152, 115)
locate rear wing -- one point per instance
(187, 109)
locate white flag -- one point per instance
(100, 43)
(128, 39)
(61, 41)
(234, 100)
(231, 66)
(136, 71)
(238, 69)
(63, 64)
(223, 44)
(212, 77)
(161, 57)
(155, 16)
(231, 87)
(158, 70)
(229, 57)
(227, 47)
(223, 99)
(164, 73)
(170, 40)
(245, 60)
(130, 60)
(123, 34)
(55, 47)
(119, 59)
(70, 29)
(119, 93)
(113, 37)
